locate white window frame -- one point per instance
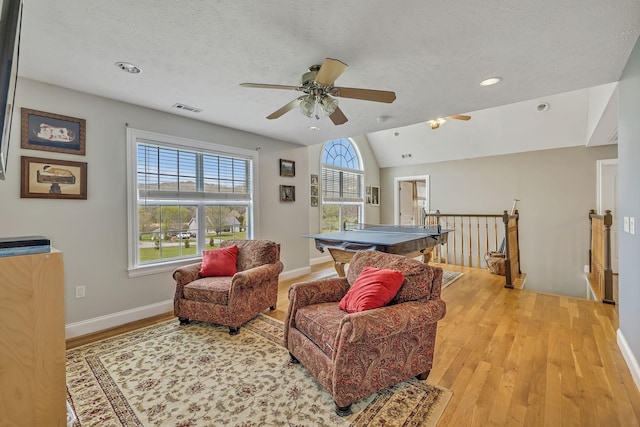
(360, 202)
(134, 136)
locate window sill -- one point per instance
(145, 270)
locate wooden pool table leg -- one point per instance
(426, 255)
(340, 258)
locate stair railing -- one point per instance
(474, 235)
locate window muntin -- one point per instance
(186, 198)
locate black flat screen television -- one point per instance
(10, 22)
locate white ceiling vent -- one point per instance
(187, 108)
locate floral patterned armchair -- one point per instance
(356, 354)
(230, 300)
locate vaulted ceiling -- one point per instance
(431, 53)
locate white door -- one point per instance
(407, 211)
(607, 199)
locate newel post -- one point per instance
(608, 272)
(507, 260)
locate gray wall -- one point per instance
(556, 189)
(92, 233)
(629, 205)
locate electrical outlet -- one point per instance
(626, 224)
(632, 225)
(80, 291)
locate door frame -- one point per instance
(396, 194)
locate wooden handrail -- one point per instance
(600, 273)
(476, 234)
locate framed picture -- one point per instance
(52, 132)
(314, 201)
(314, 179)
(287, 168)
(314, 190)
(368, 191)
(375, 196)
(287, 193)
(53, 179)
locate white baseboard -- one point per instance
(631, 360)
(101, 323)
(290, 274)
(320, 260)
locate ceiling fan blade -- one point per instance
(330, 71)
(290, 106)
(338, 117)
(459, 117)
(267, 86)
(364, 94)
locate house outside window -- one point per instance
(342, 185)
(185, 196)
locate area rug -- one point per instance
(199, 375)
(448, 277)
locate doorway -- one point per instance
(411, 199)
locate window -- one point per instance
(342, 185)
(185, 196)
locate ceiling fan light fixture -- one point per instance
(308, 105)
(328, 104)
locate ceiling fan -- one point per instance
(435, 123)
(321, 95)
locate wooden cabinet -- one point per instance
(32, 340)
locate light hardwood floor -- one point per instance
(515, 357)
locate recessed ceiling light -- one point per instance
(544, 106)
(316, 128)
(129, 68)
(491, 81)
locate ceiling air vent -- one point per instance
(187, 108)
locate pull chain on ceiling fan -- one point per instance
(437, 122)
(321, 96)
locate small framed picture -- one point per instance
(314, 190)
(53, 179)
(287, 193)
(375, 196)
(314, 201)
(52, 132)
(314, 179)
(287, 168)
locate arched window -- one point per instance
(342, 185)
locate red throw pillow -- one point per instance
(219, 262)
(373, 288)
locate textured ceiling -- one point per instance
(432, 53)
